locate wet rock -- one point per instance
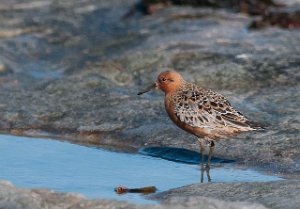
(86, 90)
(12, 197)
(252, 7)
(4, 70)
(289, 18)
(10, 33)
(77, 75)
(280, 194)
(101, 128)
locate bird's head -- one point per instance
(168, 81)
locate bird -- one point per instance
(200, 111)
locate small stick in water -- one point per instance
(144, 190)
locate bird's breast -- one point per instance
(170, 109)
(202, 132)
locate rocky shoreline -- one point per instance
(280, 194)
(12, 197)
(72, 71)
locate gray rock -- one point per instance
(14, 198)
(85, 81)
(280, 194)
(77, 68)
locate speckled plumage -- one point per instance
(201, 112)
(208, 113)
(198, 110)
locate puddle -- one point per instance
(94, 172)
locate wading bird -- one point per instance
(200, 111)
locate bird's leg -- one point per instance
(202, 159)
(208, 174)
(202, 163)
(211, 150)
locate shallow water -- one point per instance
(94, 172)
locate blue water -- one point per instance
(61, 166)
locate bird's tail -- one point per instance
(255, 125)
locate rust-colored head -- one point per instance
(168, 81)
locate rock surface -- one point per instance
(285, 18)
(73, 70)
(14, 198)
(280, 194)
(251, 7)
(77, 78)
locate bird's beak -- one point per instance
(148, 89)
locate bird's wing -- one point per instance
(204, 108)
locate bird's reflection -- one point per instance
(205, 170)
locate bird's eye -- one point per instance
(164, 79)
